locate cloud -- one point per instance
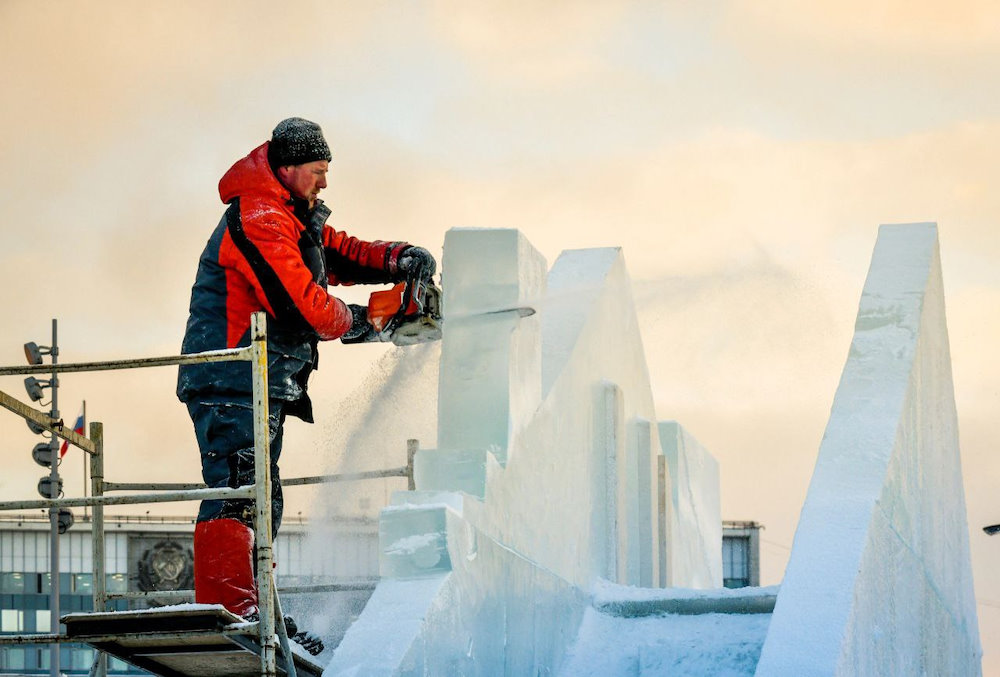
(966, 26)
(525, 44)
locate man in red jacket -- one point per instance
(272, 251)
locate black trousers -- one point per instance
(224, 428)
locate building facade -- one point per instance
(740, 554)
(142, 554)
(148, 554)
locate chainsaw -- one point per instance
(410, 313)
(407, 314)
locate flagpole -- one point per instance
(86, 462)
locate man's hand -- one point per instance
(361, 330)
(414, 260)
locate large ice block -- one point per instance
(879, 580)
(695, 554)
(490, 361)
(547, 473)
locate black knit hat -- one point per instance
(296, 141)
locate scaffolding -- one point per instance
(270, 633)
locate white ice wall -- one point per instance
(879, 580)
(697, 512)
(569, 497)
(545, 476)
(570, 484)
(453, 601)
(490, 374)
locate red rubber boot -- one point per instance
(223, 566)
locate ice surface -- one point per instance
(546, 481)
(452, 470)
(545, 477)
(879, 580)
(413, 542)
(490, 364)
(383, 636)
(680, 646)
(492, 609)
(604, 592)
(696, 514)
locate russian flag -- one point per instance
(77, 428)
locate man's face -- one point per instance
(305, 181)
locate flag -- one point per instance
(77, 428)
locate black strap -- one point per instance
(285, 310)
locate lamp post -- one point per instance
(49, 486)
(56, 483)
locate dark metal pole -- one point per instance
(86, 463)
(54, 586)
(97, 536)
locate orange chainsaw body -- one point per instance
(410, 311)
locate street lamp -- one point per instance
(35, 386)
(65, 520)
(46, 485)
(33, 352)
(43, 453)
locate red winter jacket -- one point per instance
(270, 252)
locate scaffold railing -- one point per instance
(259, 492)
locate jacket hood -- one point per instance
(252, 175)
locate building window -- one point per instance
(83, 584)
(12, 583)
(13, 658)
(11, 620)
(118, 665)
(735, 562)
(43, 620)
(82, 659)
(740, 554)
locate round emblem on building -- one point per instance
(168, 565)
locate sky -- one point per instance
(741, 153)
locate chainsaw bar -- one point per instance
(522, 311)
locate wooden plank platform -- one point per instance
(188, 640)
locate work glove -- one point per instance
(361, 330)
(416, 260)
(309, 642)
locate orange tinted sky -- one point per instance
(742, 153)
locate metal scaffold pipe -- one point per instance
(227, 355)
(269, 628)
(46, 422)
(262, 485)
(291, 482)
(164, 497)
(100, 668)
